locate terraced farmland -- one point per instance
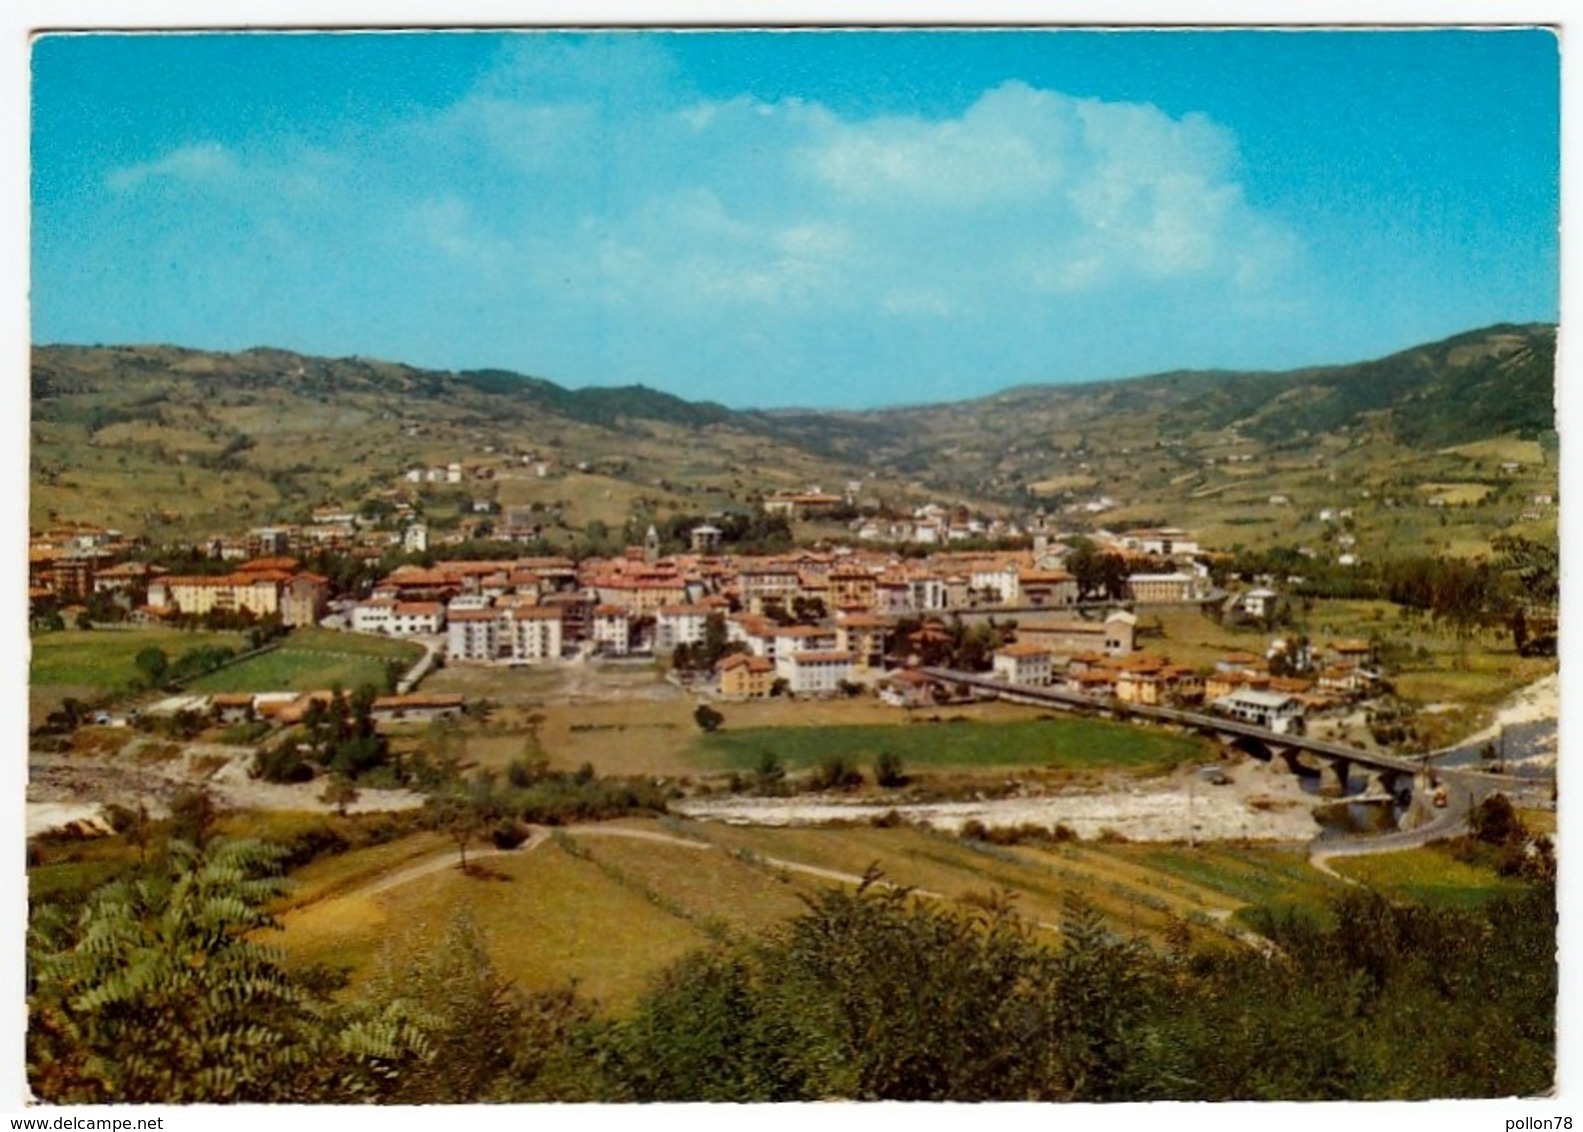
(609, 905)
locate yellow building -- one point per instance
(749, 677)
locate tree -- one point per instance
(1495, 822)
(1536, 565)
(1103, 993)
(159, 992)
(708, 718)
(339, 792)
(461, 822)
(835, 773)
(152, 662)
(132, 824)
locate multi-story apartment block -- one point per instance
(264, 587)
(611, 630)
(750, 677)
(534, 633)
(814, 672)
(680, 625)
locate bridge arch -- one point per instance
(1280, 756)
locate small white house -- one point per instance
(1274, 711)
(1028, 665)
(1259, 602)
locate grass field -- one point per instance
(1058, 484)
(312, 659)
(549, 918)
(1499, 449)
(1455, 494)
(653, 731)
(608, 910)
(1429, 876)
(1071, 744)
(103, 658)
(1262, 879)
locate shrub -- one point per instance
(888, 769)
(769, 772)
(281, 764)
(508, 835)
(835, 773)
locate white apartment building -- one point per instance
(680, 625)
(1026, 664)
(398, 618)
(612, 631)
(534, 633)
(814, 673)
(473, 635)
(1001, 580)
(526, 634)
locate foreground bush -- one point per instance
(158, 989)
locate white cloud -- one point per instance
(589, 180)
(1007, 147)
(447, 224)
(205, 163)
(691, 200)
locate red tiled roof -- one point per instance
(821, 657)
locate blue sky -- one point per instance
(823, 218)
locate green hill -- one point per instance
(185, 442)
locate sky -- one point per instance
(823, 218)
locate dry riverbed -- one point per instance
(1256, 804)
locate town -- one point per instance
(816, 622)
(736, 565)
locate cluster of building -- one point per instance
(810, 621)
(1240, 685)
(74, 561)
(263, 587)
(935, 525)
(75, 564)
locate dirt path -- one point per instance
(539, 836)
(434, 865)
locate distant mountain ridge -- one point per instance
(285, 430)
(1496, 381)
